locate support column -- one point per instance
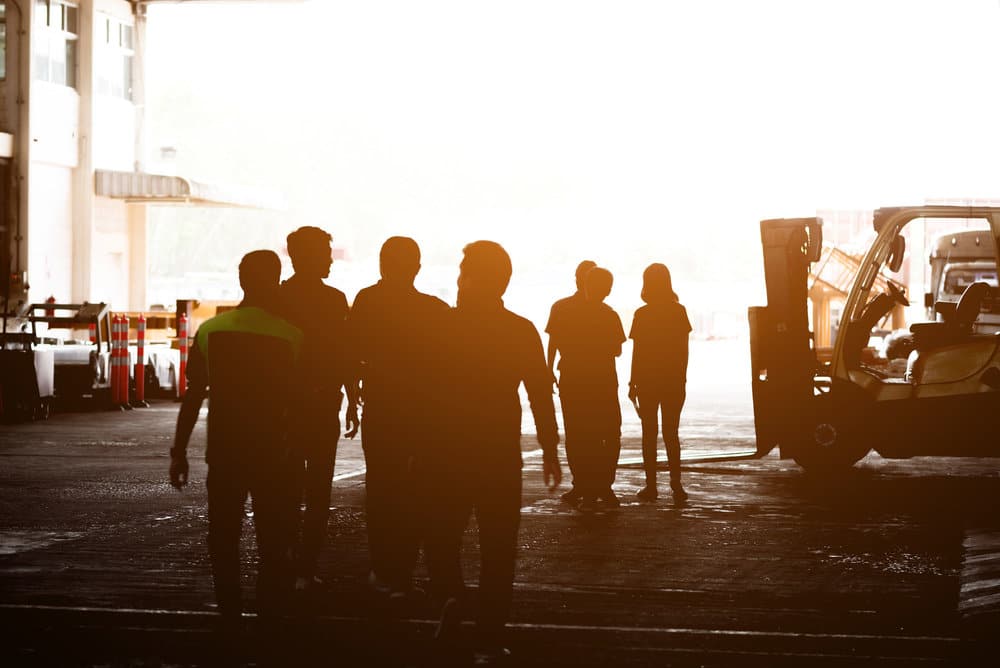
(138, 271)
(83, 177)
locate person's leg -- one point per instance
(613, 442)
(445, 508)
(389, 505)
(227, 494)
(270, 495)
(498, 512)
(648, 408)
(672, 404)
(376, 482)
(571, 418)
(318, 480)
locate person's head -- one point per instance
(311, 252)
(657, 287)
(597, 284)
(582, 270)
(399, 259)
(260, 272)
(485, 271)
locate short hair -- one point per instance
(582, 270)
(598, 283)
(488, 264)
(657, 287)
(400, 257)
(260, 271)
(306, 239)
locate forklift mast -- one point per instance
(782, 355)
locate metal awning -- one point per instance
(146, 188)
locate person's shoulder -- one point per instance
(365, 294)
(333, 298)
(608, 310)
(519, 324)
(432, 302)
(333, 293)
(277, 322)
(221, 321)
(565, 303)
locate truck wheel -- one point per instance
(826, 445)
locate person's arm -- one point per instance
(197, 390)
(618, 334)
(551, 357)
(536, 382)
(637, 362)
(633, 386)
(347, 364)
(553, 347)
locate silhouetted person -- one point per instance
(477, 467)
(320, 311)
(588, 387)
(395, 329)
(246, 357)
(562, 320)
(659, 374)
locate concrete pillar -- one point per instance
(138, 272)
(139, 84)
(20, 86)
(83, 182)
(137, 224)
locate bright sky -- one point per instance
(627, 132)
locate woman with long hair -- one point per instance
(659, 374)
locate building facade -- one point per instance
(74, 190)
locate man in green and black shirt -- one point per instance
(247, 358)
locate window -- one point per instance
(56, 41)
(114, 59)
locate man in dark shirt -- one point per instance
(320, 311)
(246, 356)
(562, 319)
(393, 332)
(589, 336)
(477, 466)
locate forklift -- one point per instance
(941, 399)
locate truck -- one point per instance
(956, 261)
(828, 415)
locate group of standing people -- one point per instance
(440, 423)
(587, 335)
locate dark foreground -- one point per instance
(898, 563)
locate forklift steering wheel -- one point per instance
(897, 295)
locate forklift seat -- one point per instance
(944, 350)
(957, 326)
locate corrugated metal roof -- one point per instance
(143, 187)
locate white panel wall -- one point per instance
(50, 243)
(110, 271)
(114, 133)
(55, 113)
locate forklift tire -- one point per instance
(827, 446)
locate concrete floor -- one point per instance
(898, 562)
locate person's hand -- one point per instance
(552, 473)
(178, 470)
(633, 394)
(353, 422)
